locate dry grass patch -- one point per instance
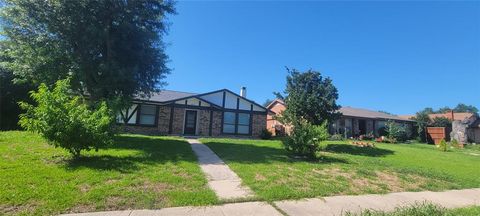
(274, 174)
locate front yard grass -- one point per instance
(343, 169)
(136, 172)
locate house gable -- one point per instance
(231, 101)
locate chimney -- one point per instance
(451, 115)
(243, 92)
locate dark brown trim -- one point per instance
(192, 107)
(238, 103)
(251, 120)
(223, 100)
(244, 111)
(131, 115)
(157, 109)
(236, 123)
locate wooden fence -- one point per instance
(436, 134)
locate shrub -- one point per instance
(382, 131)
(66, 121)
(305, 138)
(395, 132)
(454, 143)
(336, 137)
(443, 146)
(265, 134)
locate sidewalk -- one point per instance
(337, 205)
(328, 206)
(221, 179)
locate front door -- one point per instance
(190, 122)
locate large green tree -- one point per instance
(422, 120)
(465, 108)
(109, 48)
(309, 96)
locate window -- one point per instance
(147, 115)
(228, 122)
(243, 123)
(236, 123)
(130, 112)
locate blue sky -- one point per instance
(390, 56)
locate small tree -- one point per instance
(66, 121)
(422, 120)
(395, 132)
(309, 96)
(305, 138)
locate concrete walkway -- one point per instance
(338, 205)
(328, 206)
(221, 179)
(233, 209)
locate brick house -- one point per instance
(353, 122)
(275, 127)
(216, 113)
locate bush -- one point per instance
(395, 132)
(65, 121)
(265, 134)
(336, 137)
(305, 138)
(443, 146)
(382, 131)
(441, 122)
(454, 143)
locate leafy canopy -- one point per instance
(422, 120)
(66, 121)
(441, 122)
(109, 48)
(310, 97)
(459, 108)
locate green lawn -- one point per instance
(347, 169)
(136, 172)
(423, 209)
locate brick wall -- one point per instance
(259, 123)
(203, 122)
(164, 113)
(217, 123)
(139, 129)
(178, 118)
(163, 119)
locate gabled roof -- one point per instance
(167, 95)
(270, 105)
(364, 113)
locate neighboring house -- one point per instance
(216, 113)
(356, 121)
(453, 116)
(353, 122)
(466, 130)
(275, 109)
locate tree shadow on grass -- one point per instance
(255, 154)
(129, 153)
(356, 150)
